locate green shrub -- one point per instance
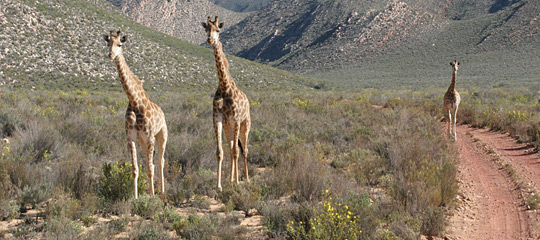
(117, 225)
(88, 220)
(63, 206)
(386, 234)
(200, 202)
(368, 167)
(149, 231)
(34, 195)
(196, 227)
(276, 217)
(146, 206)
(183, 188)
(8, 210)
(533, 201)
(60, 227)
(433, 222)
(116, 182)
(169, 215)
(229, 229)
(246, 197)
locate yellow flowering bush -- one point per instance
(334, 221)
(301, 103)
(515, 116)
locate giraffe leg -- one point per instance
(449, 122)
(161, 138)
(218, 126)
(229, 136)
(235, 151)
(150, 165)
(455, 122)
(133, 150)
(244, 134)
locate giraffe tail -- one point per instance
(241, 149)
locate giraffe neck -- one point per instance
(226, 83)
(452, 87)
(132, 86)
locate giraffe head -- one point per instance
(212, 30)
(115, 43)
(454, 65)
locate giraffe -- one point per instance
(230, 108)
(451, 101)
(145, 121)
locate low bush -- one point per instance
(333, 221)
(147, 206)
(433, 222)
(196, 227)
(8, 210)
(34, 195)
(276, 217)
(116, 182)
(169, 215)
(533, 201)
(59, 227)
(246, 197)
(149, 231)
(117, 225)
(184, 188)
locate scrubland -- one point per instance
(323, 165)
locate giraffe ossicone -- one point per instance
(145, 121)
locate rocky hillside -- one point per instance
(290, 33)
(59, 45)
(242, 5)
(179, 18)
(345, 39)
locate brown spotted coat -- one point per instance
(145, 121)
(230, 108)
(451, 102)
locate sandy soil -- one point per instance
(490, 203)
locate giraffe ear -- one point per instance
(221, 25)
(124, 38)
(106, 38)
(204, 25)
(457, 63)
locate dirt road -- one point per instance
(491, 203)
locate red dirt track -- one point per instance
(490, 203)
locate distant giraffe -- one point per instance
(144, 119)
(451, 101)
(231, 108)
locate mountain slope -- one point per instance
(242, 5)
(306, 35)
(386, 39)
(179, 18)
(59, 45)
